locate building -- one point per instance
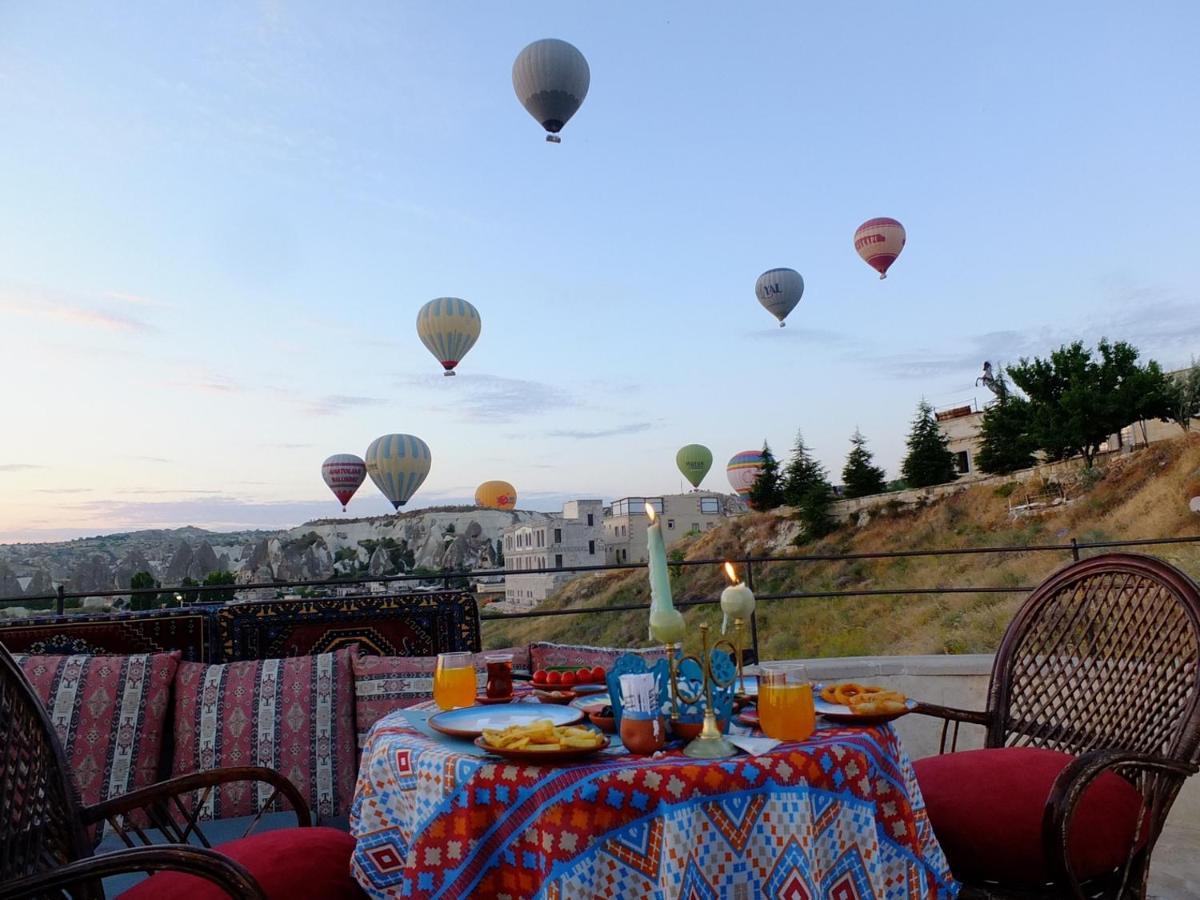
(576, 538)
(682, 514)
(960, 425)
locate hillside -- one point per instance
(1142, 495)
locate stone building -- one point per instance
(576, 538)
(682, 514)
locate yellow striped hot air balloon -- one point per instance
(496, 495)
(448, 327)
(398, 463)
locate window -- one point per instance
(710, 506)
(558, 560)
(592, 548)
(670, 523)
(558, 535)
(963, 461)
(695, 526)
(591, 520)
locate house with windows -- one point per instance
(681, 514)
(575, 538)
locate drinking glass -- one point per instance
(454, 681)
(499, 675)
(785, 703)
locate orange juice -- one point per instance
(785, 710)
(453, 688)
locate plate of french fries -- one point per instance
(849, 701)
(542, 741)
(473, 721)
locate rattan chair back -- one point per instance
(1105, 654)
(40, 823)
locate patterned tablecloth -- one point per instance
(838, 816)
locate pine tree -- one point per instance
(928, 461)
(861, 477)
(766, 492)
(806, 486)
(1006, 434)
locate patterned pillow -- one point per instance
(109, 712)
(383, 684)
(292, 715)
(544, 655)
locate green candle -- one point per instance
(666, 622)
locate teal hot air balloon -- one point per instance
(448, 327)
(398, 464)
(551, 79)
(694, 461)
(779, 290)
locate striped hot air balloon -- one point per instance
(779, 290)
(343, 474)
(551, 78)
(694, 461)
(879, 242)
(496, 495)
(448, 327)
(398, 464)
(743, 469)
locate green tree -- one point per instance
(860, 476)
(147, 600)
(218, 578)
(767, 492)
(805, 485)
(1006, 440)
(1182, 395)
(929, 461)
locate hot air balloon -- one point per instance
(551, 79)
(448, 327)
(879, 242)
(343, 473)
(496, 495)
(398, 463)
(779, 290)
(743, 469)
(694, 461)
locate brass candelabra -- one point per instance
(710, 743)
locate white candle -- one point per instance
(737, 600)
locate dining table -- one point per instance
(838, 816)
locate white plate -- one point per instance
(591, 701)
(470, 722)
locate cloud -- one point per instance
(286, 447)
(132, 299)
(333, 404)
(75, 490)
(821, 336)
(18, 467)
(46, 305)
(215, 385)
(479, 397)
(631, 428)
(140, 491)
(153, 459)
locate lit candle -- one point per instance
(666, 622)
(737, 600)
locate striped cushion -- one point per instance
(109, 712)
(294, 715)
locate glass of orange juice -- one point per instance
(785, 702)
(454, 681)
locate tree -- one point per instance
(1182, 396)
(928, 461)
(766, 492)
(861, 477)
(215, 578)
(147, 600)
(806, 486)
(1006, 441)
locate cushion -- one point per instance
(295, 716)
(292, 862)
(386, 683)
(545, 655)
(110, 715)
(986, 809)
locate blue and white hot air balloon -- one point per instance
(779, 290)
(551, 79)
(398, 464)
(448, 327)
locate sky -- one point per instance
(219, 221)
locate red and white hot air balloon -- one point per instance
(879, 242)
(344, 474)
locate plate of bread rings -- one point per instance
(849, 701)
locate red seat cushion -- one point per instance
(986, 809)
(293, 862)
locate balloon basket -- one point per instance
(553, 139)
(448, 374)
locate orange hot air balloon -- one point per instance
(496, 495)
(879, 242)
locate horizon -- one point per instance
(221, 223)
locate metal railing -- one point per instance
(752, 565)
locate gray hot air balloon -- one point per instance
(779, 290)
(551, 79)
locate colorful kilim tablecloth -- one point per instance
(838, 816)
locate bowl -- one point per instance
(555, 696)
(607, 724)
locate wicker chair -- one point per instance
(1101, 662)
(45, 850)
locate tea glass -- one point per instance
(785, 702)
(454, 681)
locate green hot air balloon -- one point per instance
(398, 463)
(694, 461)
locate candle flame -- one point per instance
(731, 573)
(650, 512)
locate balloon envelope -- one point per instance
(779, 290)
(551, 79)
(343, 474)
(496, 495)
(398, 463)
(694, 461)
(448, 327)
(743, 469)
(879, 242)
